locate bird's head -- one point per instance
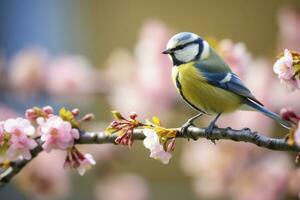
(185, 47)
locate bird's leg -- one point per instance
(186, 125)
(211, 126)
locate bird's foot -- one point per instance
(208, 132)
(209, 129)
(184, 129)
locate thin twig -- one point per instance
(243, 135)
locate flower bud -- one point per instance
(75, 112)
(133, 115)
(171, 145)
(31, 115)
(88, 117)
(48, 110)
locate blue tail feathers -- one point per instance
(268, 113)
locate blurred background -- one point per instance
(102, 55)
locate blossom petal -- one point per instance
(151, 138)
(9, 125)
(57, 133)
(288, 57)
(297, 135)
(157, 151)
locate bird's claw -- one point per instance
(208, 132)
(184, 129)
(186, 133)
(209, 129)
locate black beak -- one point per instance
(168, 51)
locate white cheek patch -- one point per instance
(205, 51)
(188, 53)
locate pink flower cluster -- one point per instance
(17, 136)
(56, 133)
(15, 139)
(286, 72)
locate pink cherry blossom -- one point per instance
(283, 67)
(20, 143)
(157, 151)
(77, 160)
(19, 125)
(56, 133)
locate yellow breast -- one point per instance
(199, 94)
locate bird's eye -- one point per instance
(179, 47)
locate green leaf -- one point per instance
(117, 115)
(156, 121)
(110, 130)
(66, 114)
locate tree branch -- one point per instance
(243, 135)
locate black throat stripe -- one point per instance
(182, 95)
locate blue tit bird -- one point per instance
(207, 83)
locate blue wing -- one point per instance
(219, 74)
(230, 82)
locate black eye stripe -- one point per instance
(184, 45)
